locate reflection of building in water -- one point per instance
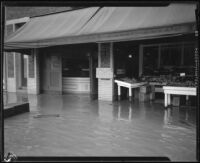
(105, 111)
(186, 115)
(33, 100)
(175, 114)
(124, 113)
(167, 116)
(10, 98)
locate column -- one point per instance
(4, 72)
(33, 73)
(130, 93)
(104, 72)
(119, 92)
(11, 74)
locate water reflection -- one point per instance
(10, 98)
(168, 116)
(105, 111)
(178, 116)
(123, 114)
(97, 128)
(19, 97)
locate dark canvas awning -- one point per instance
(97, 24)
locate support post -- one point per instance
(33, 73)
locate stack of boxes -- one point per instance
(145, 93)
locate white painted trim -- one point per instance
(171, 43)
(16, 21)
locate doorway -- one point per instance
(51, 75)
(21, 71)
(126, 59)
(24, 71)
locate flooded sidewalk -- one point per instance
(73, 125)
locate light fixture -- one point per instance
(130, 55)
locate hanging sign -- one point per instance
(104, 73)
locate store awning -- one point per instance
(103, 24)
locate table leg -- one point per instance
(166, 100)
(130, 112)
(130, 94)
(119, 93)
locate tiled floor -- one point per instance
(73, 125)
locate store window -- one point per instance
(171, 55)
(172, 58)
(75, 67)
(189, 54)
(150, 61)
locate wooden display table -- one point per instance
(129, 86)
(168, 90)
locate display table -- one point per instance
(168, 90)
(129, 86)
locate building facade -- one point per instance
(56, 61)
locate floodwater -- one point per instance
(73, 125)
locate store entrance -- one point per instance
(21, 70)
(24, 71)
(126, 64)
(126, 58)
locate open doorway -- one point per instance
(126, 63)
(24, 71)
(21, 68)
(126, 59)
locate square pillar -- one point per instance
(104, 72)
(11, 72)
(33, 73)
(4, 72)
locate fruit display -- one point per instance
(129, 80)
(156, 79)
(186, 81)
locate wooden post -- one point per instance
(119, 92)
(130, 94)
(99, 54)
(140, 60)
(168, 99)
(105, 61)
(159, 55)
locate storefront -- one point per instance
(92, 48)
(67, 69)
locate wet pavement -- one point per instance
(73, 125)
